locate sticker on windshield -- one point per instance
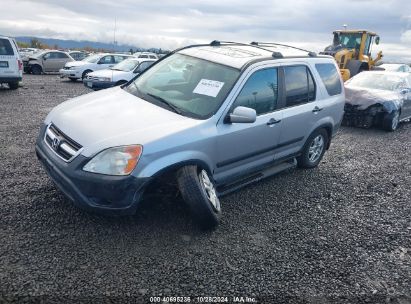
(208, 87)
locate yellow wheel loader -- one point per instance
(352, 51)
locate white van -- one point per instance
(11, 65)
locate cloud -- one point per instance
(171, 24)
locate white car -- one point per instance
(79, 69)
(395, 67)
(117, 75)
(11, 65)
(146, 55)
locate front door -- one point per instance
(241, 147)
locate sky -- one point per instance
(171, 24)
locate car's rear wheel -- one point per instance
(13, 85)
(36, 69)
(314, 149)
(85, 73)
(198, 191)
(391, 120)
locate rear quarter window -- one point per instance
(330, 77)
(5, 47)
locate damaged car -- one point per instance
(378, 98)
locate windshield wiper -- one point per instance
(170, 105)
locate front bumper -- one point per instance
(367, 118)
(112, 195)
(98, 85)
(70, 73)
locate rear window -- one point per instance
(330, 77)
(5, 47)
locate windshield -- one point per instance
(126, 65)
(377, 81)
(190, 86)
(350, 40)
(92, 58)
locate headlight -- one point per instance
(103, 79)
(115, 161)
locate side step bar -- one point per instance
(270, 171)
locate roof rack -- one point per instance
(310, 53)
(218, 43)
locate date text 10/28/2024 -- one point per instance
(233, 299)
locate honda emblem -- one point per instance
(55, 143)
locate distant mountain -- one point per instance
(73, 44)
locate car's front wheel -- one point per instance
(198, 191)
(391, 120)
(85, 74)
(36, 69)
(314, 149)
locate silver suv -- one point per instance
(214, 117)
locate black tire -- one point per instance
(390, 121)
(36, 69)
(73, 79)
(85, 74)
(13, 85)
(194, 193)
(309, 159)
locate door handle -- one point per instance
(273, 121)
(317, 109)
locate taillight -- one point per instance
(20, 64)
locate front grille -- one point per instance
(61, 144)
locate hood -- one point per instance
(113, 117)
(364, 98)
(108, 73)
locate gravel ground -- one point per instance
(340, 233)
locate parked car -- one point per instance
(11, 66)
(77, 55)
(239, 114)
(46, 61)
(395, 67)
(378, 98)
(119, 74)
(146, 55)
(79, 69)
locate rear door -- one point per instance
(8, 59)
(299, 108)
(243, 147)
(63, 58)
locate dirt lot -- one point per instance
(340, 233)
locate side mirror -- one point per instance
(242, 115)
(377, 40)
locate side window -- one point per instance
(260, 92)
(152, 57)
(331, 78)
(61, 55)
(299, 85)
(143, 56)
(118, 59)
(47, 56)
(106, 60)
